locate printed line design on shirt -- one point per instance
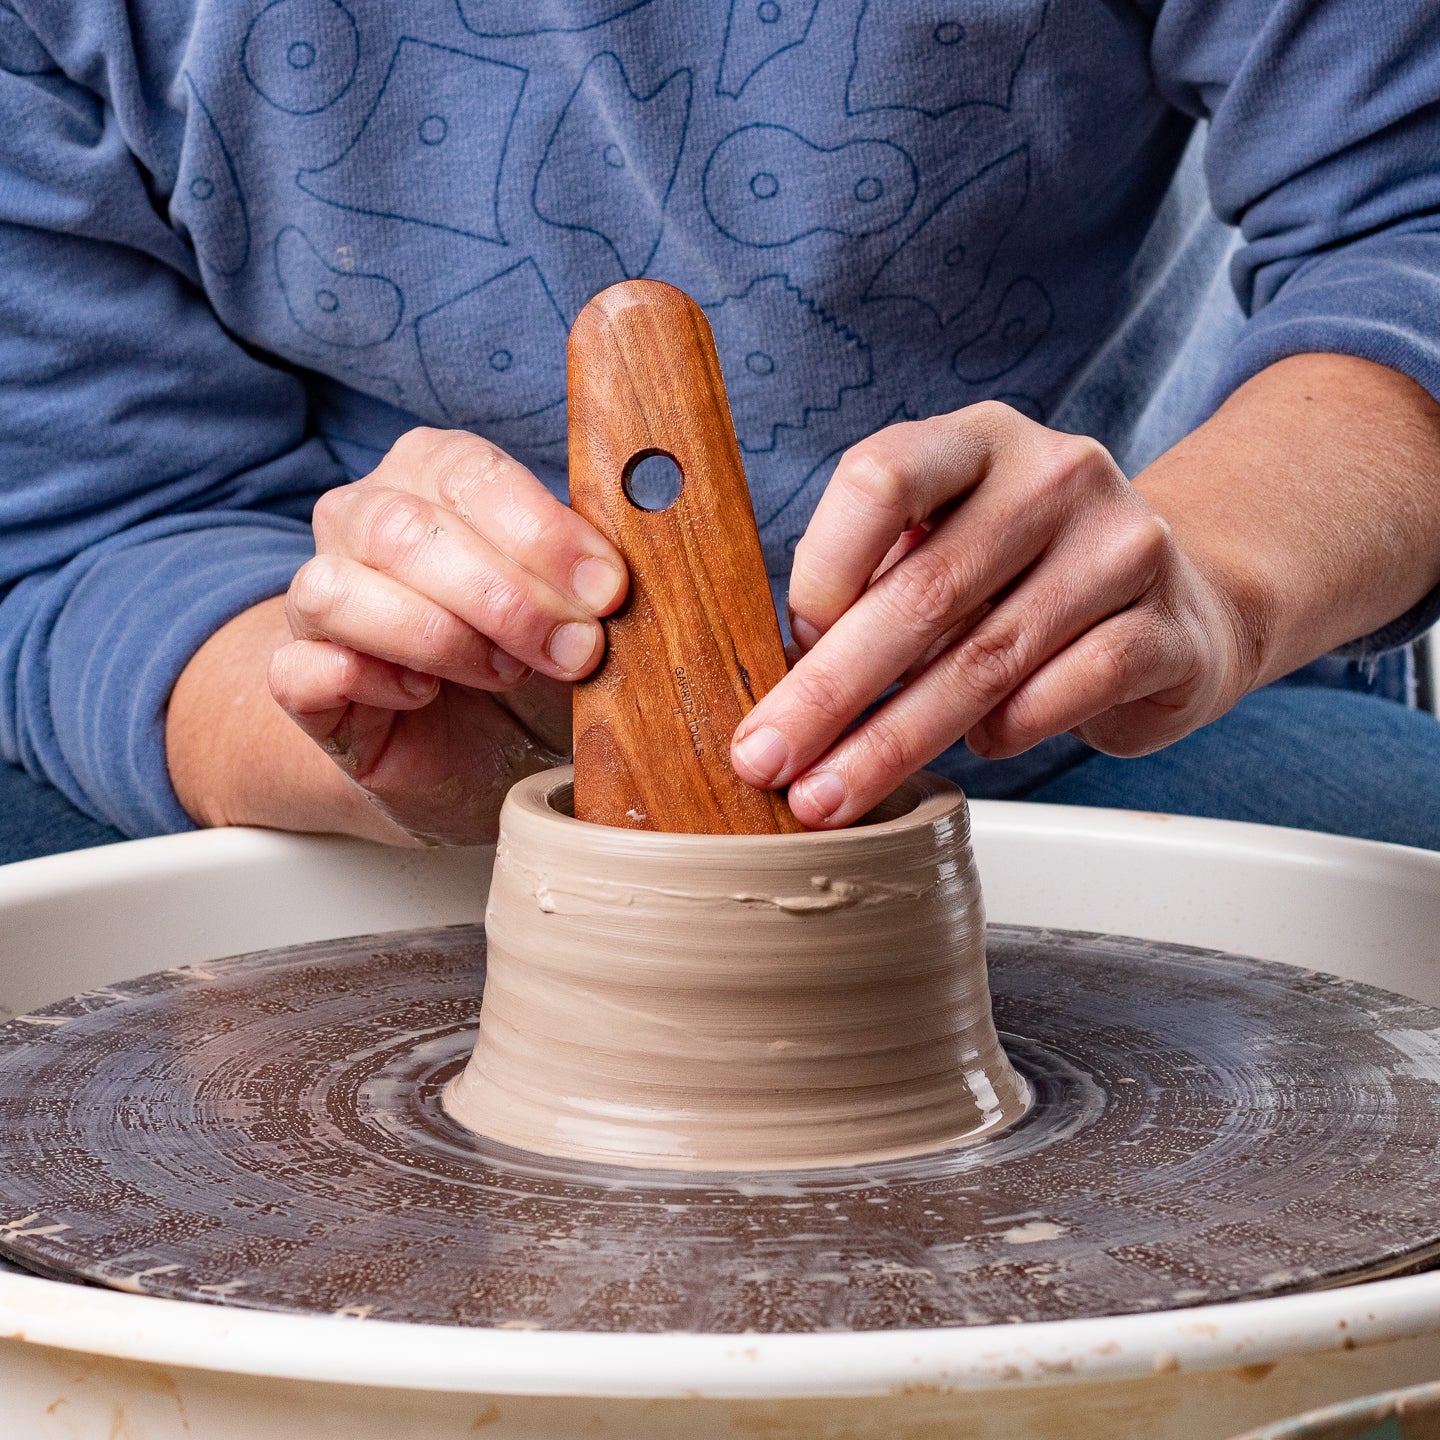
(1019, 324)
(755, 33)
(611, 160)
(432, 147)
(347, 309)
(489, 352)
(208, 199)
(301, 55)
(784, 358)
(943, 264)
(515, 19)
(937, 56)
(767, 186)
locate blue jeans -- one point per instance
(36, 819)
(1331, 748)
(1313, 758)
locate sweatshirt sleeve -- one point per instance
(1324, 149)
(156, 477)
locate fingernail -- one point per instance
(804, 632)
(416, 684)
(510, 670)
(572, 645)
(823, 792)
(596, 584)
(763, 753)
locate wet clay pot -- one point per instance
(735, 1002)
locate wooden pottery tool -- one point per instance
(696, 643)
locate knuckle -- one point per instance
(416, 447)
(328, 515)
(393, 527)
(280, 677)
(1022, 722)
(891, 746)
(1120, 732)
(820, 695)
(504, 606)
(1078, 459)
(464, 468)
(876, 477)
(437, 638)
(1112, 661)
(992, 659)
(993, 416)
(1141, 544)
(927, 589)
(317, 591)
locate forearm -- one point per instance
(236, 758)
(1312, 497)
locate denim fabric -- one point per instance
(1390, 676)
(1307, 756)
(36, 819)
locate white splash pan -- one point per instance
(80, 1362)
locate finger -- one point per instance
(449, 791)
(333, 598)
(1125, 687)
(346, 702)
(897, 552)
(956, 632)
(886, 485)
(430, 550)
(502, 500)
(903, 546)
(940, 585)
(1060, 601)
(544, 707)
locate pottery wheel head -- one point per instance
(266, 1131)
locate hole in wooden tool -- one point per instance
(652, 481)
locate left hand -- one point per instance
(1015, 584)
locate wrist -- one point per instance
(1309, 500)
(1246, 604)
(236, 758)
(1266, 622)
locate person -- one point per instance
(285, 295)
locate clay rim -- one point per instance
(924, 800)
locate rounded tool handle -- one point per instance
(696, 643)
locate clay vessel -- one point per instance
(736, 1002)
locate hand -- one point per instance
(1015, 584)
(442, 582)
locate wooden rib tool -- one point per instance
(696, 643)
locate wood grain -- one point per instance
(697, 642)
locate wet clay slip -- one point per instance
(724, 1002)
(266, 1131)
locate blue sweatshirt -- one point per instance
(244, 245)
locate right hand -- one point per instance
(450, 602)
